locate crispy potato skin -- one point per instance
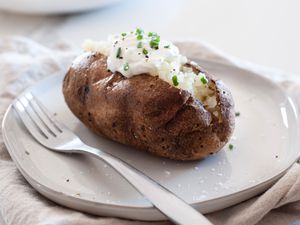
(146, 112)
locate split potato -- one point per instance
(147, 113)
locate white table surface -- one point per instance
(265, 32)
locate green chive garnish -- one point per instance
(204, 80)
(150, 34)
(126, 67)
(119, 53)
(123, 34)
(237, 114)
(139, 37)
(157, 38)
(154, 43)
(145, 51)
(230, 146)
(175, 81)
(167, 46)
(140, 45)
(139, 31)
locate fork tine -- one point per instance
(41, 114)
(27, 121)
(44, 114)
(34, 117)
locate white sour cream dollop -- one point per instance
(138, 52)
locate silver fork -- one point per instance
(56, 136)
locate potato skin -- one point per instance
(146, 112)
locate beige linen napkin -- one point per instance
(23, 62)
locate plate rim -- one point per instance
(8, 7)
(266, 181)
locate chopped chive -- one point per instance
(150, 34)
(204, 80)
(119, 53)
(175, 81)
(139, 37)
(230, 146)
(237, 114)
(154, 43)
(156, 38)
(139, 31)
(167, 46)
(140, 45)
(126, 67)
(123, 34)
(145, 51)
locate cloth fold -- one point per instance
(23, 62)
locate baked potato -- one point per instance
(148, 113)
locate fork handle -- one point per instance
(168, 203)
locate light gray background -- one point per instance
(265, 32)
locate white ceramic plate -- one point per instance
(265, 145)
(52, 6)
